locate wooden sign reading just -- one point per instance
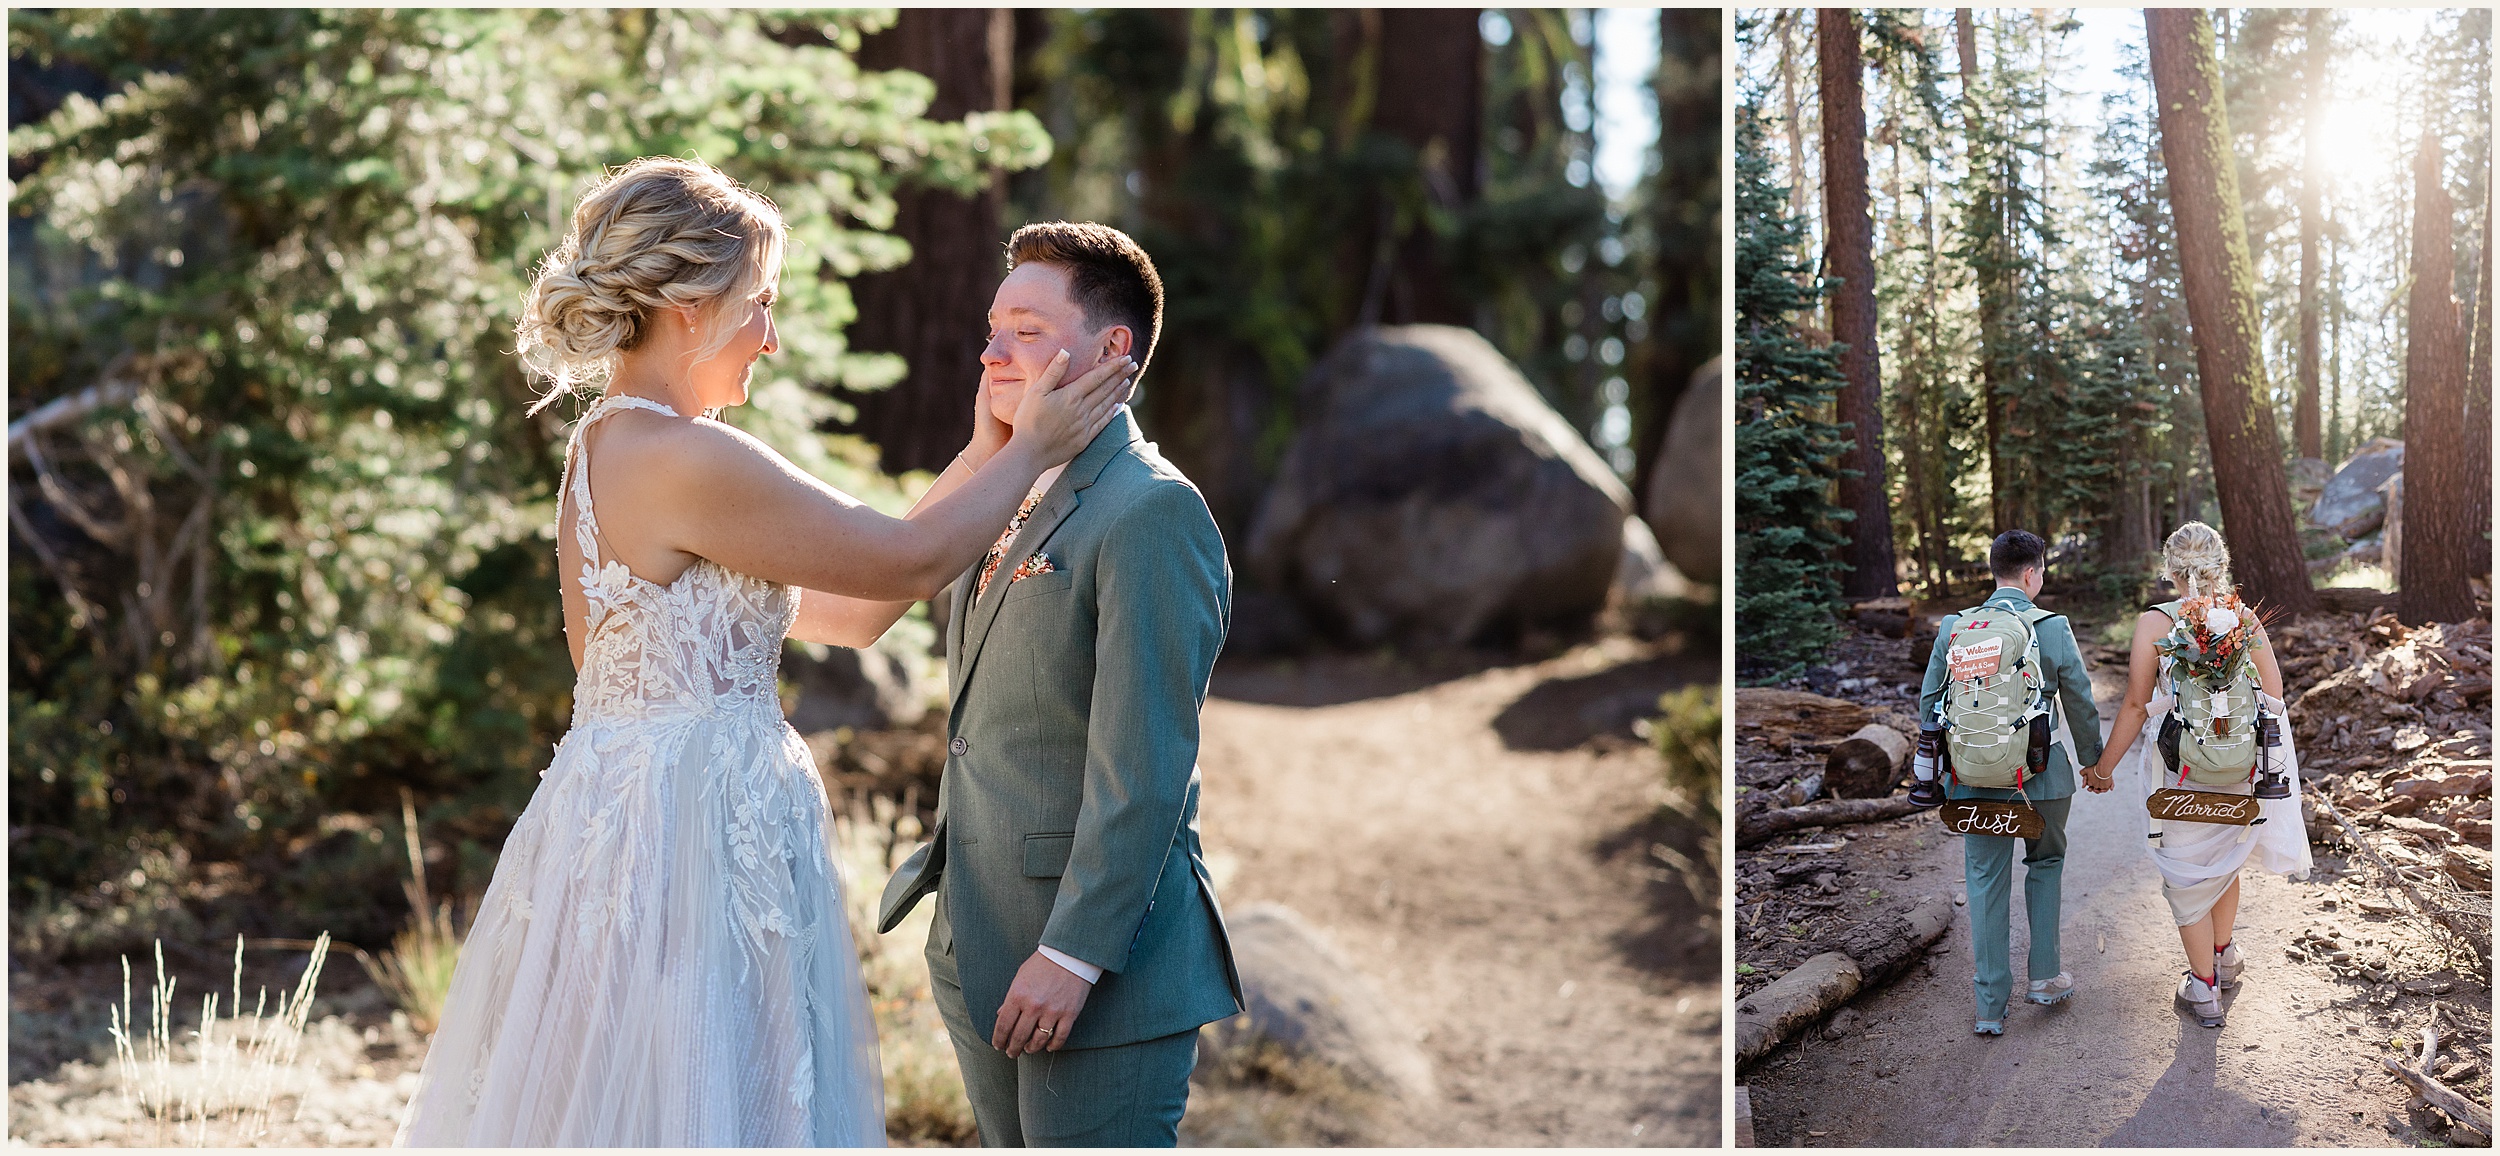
(2202, 807)
(1988, 817)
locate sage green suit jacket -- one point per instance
(1068, 813)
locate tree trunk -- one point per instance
(1794, 124)
(1931, 504)
(2431, 575)
(2221, 287)
(1966, 47)
(1684, 319)
(2339, 430)
(2478, 419)
(2306, 434)
(1431, 96)
(1849, 254)
(930, 310)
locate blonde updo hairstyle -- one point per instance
(657, 234)
(2198, 563)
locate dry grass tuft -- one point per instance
(416, 971)
(224, 1078)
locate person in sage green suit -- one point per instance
(1077, 945)
(2018, 560)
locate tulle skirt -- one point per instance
(662, 958)
(2198, 861)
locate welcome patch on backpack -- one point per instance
(1976, 661)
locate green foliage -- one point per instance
(1934, 432)
(304, 554)
(1787, 574)
(1687, 734)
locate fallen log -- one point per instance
(1813, 988)
(1872, 954)
(1867, 764)
(1777, 717)
(1755, 828)
(2465, 1113)
(1884, 948)
(2354, 599)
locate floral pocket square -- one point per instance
(1037, 564)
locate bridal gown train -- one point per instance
(662, 958)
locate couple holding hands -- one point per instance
(2008, 724)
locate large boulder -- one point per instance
(2351, 504)
(1432, 499)
(1682, 505)
(1307, 998)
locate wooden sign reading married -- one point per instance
(2202, 807)
(1987, 817)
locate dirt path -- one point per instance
(1479, 848)
(2119, 1063)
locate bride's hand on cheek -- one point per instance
(1060, 420)
(988, 433)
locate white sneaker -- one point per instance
(2201, 998)
(2049, 991)
(2228, 964)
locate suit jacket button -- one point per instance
(959, 746)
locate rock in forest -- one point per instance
(1645, 572)
(872, 689)
(1431, 499)
(1682, 505)
(1307, 998)
(2351, 504)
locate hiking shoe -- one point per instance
(2047, 992)
(1926, 793)
(2201, 998)
(2228, 964)
(1989, 1027)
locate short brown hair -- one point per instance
(2015, 551)
(1109, 276)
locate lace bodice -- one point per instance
(707, 643)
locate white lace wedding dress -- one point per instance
(662, 958)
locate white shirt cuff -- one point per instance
(1076, 967)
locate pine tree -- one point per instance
(1787, 578)
(290, 551)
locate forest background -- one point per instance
(1962, 305)
(283, 531)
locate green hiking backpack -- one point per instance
(1996, 703)
(2211, 735)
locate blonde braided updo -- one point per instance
(2198, 563)
(658, 233)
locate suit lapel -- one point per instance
(958, 605)
(1054, 508)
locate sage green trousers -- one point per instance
(1988, 869)
(1125, 1096)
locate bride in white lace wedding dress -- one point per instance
(662, 957)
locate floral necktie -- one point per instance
(998, 550)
